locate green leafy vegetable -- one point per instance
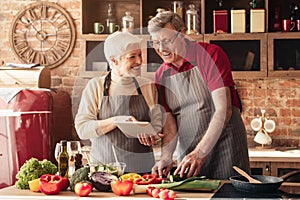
(80, 175)
(33, 169)
(191, 183)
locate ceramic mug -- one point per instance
(269, 125)
(262, 137)
(256, 124)
(288, 25)
(113, 27)
(298, 25)
(98, 28)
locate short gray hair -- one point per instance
(162, 18)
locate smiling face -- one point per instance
(169, 45)
(129, 63)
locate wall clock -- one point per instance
(43, 33)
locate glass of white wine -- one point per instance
(73, 147)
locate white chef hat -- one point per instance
(119, 43)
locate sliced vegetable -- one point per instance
(50, 184)
(146, 179)
(121, 187)
(130, 176)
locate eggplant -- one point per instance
(101, 180)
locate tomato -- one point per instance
(167, 194)
(121, 187)
(155, 192)
(83, 189)
(50, 184)
(149, 190)
(65, 183)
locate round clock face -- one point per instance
(43, 33)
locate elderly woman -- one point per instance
(119, 95)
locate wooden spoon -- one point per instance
(247, 176)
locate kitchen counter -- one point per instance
(17, 194)
(274, 155)
(12, 192)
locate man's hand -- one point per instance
(162, 167)
(190, 165)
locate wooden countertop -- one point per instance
(10, 193)
(13, 193)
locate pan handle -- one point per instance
(290, 174)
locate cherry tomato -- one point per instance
(83, 189)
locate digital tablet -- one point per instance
(133, 129)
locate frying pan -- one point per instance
(269, 183)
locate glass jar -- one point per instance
(127, 22)
(177, 8)
(192, 20)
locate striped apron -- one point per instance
(138, 158)
(190, 100)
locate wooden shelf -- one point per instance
(247, 53)
(284, 54)
(266, 47)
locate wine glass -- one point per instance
(73, 147)
(57, 151)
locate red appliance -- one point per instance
(31, 123)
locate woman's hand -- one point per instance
(149, 140)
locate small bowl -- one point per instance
(118, 167)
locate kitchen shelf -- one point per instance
(247, 53)
(270, 49)
(284, 54)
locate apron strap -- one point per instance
(107, 83)
(137, 86)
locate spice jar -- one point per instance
(192, 20)
(127, 22)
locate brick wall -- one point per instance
(280, 97)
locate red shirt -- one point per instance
(212, 63)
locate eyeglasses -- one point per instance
(156, 43)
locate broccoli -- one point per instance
(33, 169)
(81, 174)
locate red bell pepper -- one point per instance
(121, 187)
(50, 184)
(146, 179)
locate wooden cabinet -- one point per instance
(273, 162)
(273, 168)
(252, 55)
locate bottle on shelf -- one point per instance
(110, 18)
(63, 160)
(177, 8)
(192, 20)
(127, 22)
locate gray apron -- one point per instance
(138, 158)
(190, 100)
